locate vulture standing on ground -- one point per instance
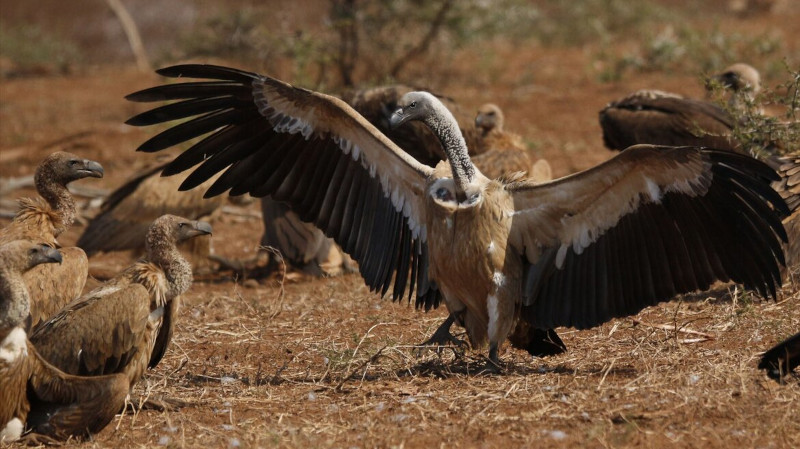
(129, 211)
(638, 229)
(126, 324)
(42, 220)
(782, 359)
(33, 394)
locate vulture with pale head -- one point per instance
(34, 395)
(42, 220)
(506, 255)
(495, 152)
(782, 359)
(138, 308)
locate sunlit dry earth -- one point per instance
(299, 362)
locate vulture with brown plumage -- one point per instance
(34, 395)
(660, 118)
(129, 211)
(42, 220)
(782, 359)
(504, 152)
(638, 229)
(125, 325)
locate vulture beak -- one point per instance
(48, 254)
(91, 169)
(196, 228)
(397, 118)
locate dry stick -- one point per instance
(669, 327)
(372, 359)
(132, 33)
(426, 41)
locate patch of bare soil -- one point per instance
(300, 362)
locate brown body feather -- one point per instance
(34, 395)
(126, 324)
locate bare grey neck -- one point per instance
(445, 127)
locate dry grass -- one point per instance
(326, 363)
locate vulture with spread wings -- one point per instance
(507, 253)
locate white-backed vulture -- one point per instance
(34, 395)
(782, 359)
(126, 324)
(646, 225)
(42, 220)
(504, 152)
(660, 118)
(496, 153)
(129, 211)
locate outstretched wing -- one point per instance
(642, 227)
(309, 150)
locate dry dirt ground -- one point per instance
(299, 362)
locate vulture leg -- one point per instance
(442, 335)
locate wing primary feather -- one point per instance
(195, 128)
(208, 71)
(210, 145)
(186, 108)
(183, 91)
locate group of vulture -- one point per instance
(402, 186)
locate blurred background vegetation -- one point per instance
(332, 43)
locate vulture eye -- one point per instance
(413, 105)
(73, 163)
(180, 225)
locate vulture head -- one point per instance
(490, 117)
(171, 229)
(22, 255)
(465, 187)
(63, 168)
(17, 257)
(739, 77)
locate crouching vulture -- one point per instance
(662, 118)
(42, 220)
(128, 212)
(125, 325)
(34, 395)
(504, 254)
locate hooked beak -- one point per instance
(397, 118)
(50, 255)
(91, 169)
(196, 228)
